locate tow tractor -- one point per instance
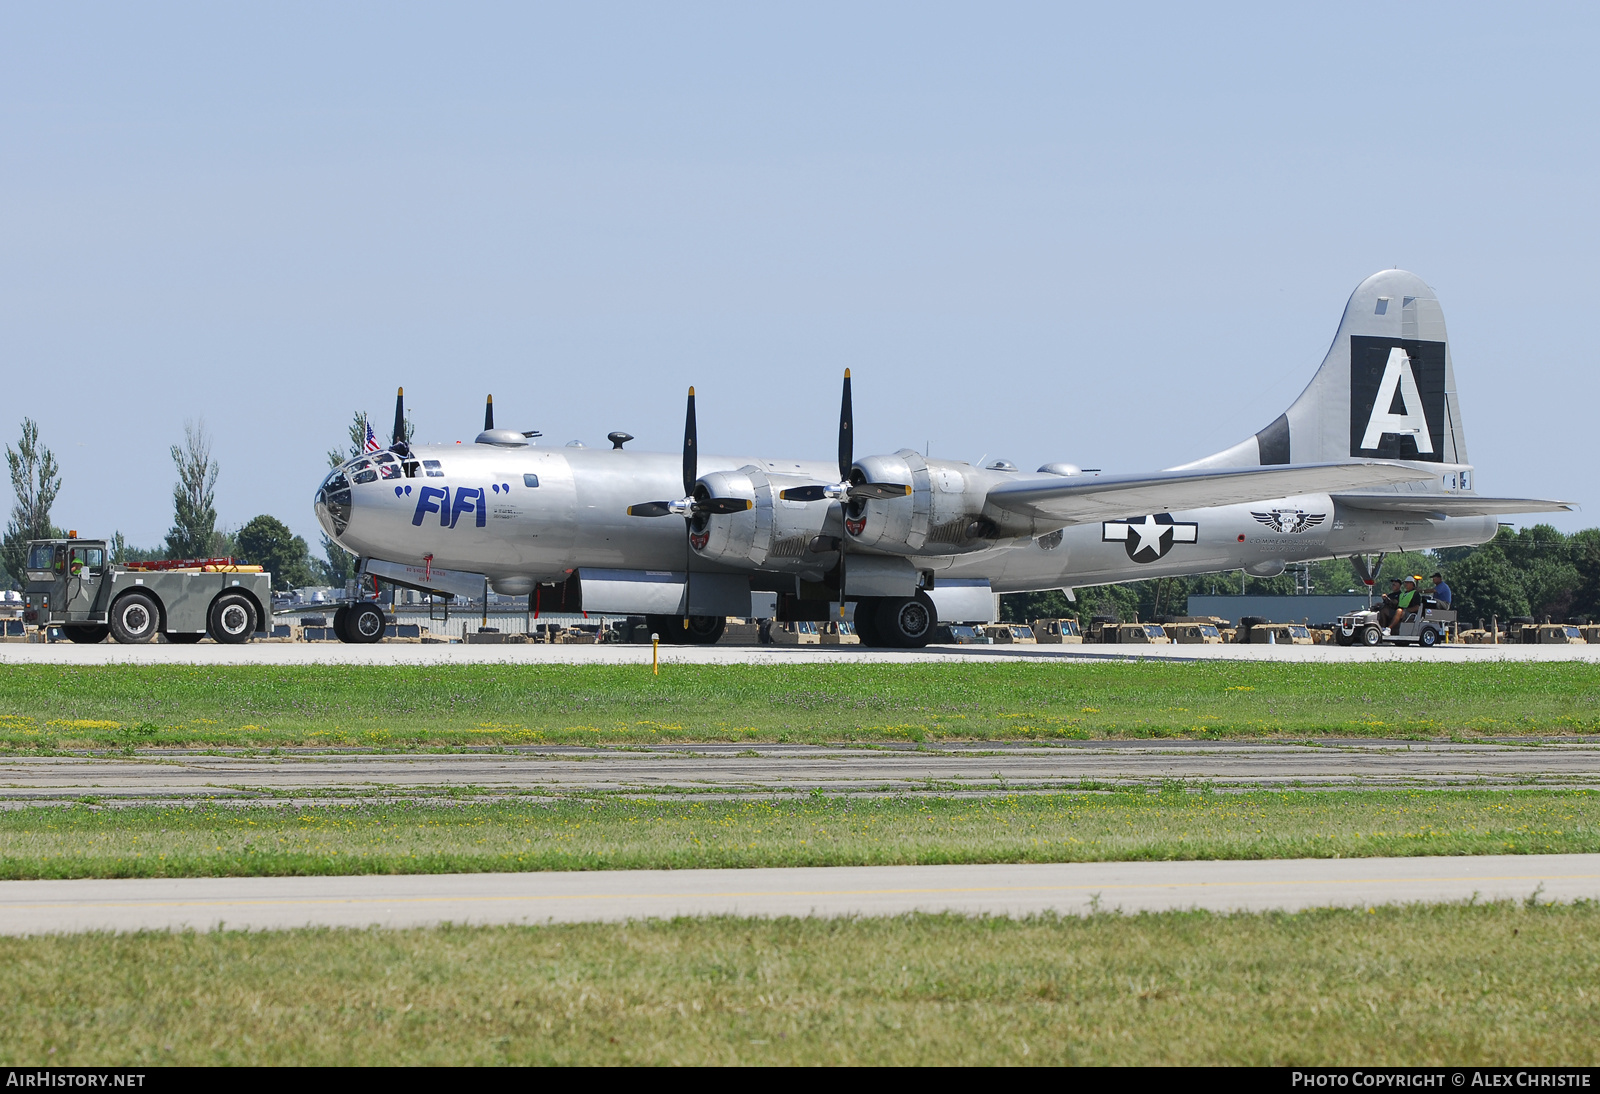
(1427, 628)
(74, 585)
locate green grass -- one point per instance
(1442, 985)
(360, 838)
(126, 706)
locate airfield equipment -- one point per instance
(1427, 629)
(73, 584)
(1057, 632)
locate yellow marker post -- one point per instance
(655, 655)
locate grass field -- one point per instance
(50, 707)
(1443, 985)
(67, 842)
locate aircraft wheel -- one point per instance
(363, 624)
(87, 632)
(907, 622)
(704, 630)
(1372, 636)
(135, 617)
(340, 614)
(1428, 638)
(184, 638)
(669, 628)
(867, 621)
(232, 619)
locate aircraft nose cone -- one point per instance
(333, 504)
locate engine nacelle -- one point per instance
(946, 512)
(787, 536)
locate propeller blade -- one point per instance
(690, 445)
(399, 433)
(724, 506)
(650, 509)
(879, 491)
(488, 414)
(804, 493)
(846, 441)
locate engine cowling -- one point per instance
(774, 534)
(946, 513)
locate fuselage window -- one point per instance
(433, 469)
(530, 480)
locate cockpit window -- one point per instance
(39, 557)
(433, 469)
(336, 481)
(383, 457)
(369, 475)
(357, 465)
(390, 470)
(530, 480)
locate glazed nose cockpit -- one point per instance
(333, 502)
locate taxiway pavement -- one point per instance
(411, 653)
(422, 900)
(730, 770)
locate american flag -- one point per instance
(372, 438)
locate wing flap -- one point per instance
(1077, 500)
(1451, 505)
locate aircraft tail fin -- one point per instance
(1386, 389)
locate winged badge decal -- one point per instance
(1290, 520)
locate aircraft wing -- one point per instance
(1080, 500)
(1450, 505)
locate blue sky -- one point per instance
(1117, 235)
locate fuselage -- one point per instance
(529, 515)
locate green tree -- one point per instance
(267, 541)
(1486, 587)
(194, 512)
(36, 480)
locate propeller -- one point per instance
(488, 413)
(696, 503)
(397, 437)
(696, 498)
(850, 491)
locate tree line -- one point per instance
(264, 540)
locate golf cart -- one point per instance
(1427, 628)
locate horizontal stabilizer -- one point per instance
(1078, 500)
(1451, 505)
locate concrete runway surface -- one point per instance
(396, 653)
(303, 775)
(420, 900)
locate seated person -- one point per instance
(1408, 603)
(1441, 592)
(1390, 602)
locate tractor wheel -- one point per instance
(86, 632)
(232, 619)
(135, 617)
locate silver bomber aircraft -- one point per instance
(1370, 458)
